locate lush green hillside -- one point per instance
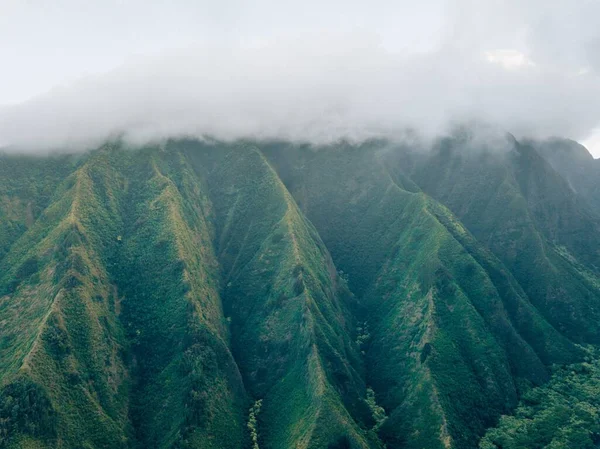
(273, 296)
(64, 378)
(514, 202)
(113, 321)
(186, 389)
(562, 414)
(293, 336)
(27, 186)
(452, 334)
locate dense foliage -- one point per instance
(562, 414)
(269, 295)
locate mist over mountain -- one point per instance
(271, 71)
(316, 225)
(318, 90)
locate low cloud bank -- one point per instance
(318, 89)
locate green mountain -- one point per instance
(526, 213)
(452, 333)
(269, 295)
(576, 165)
(562, 414)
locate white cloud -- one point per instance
(319, 72)
(509, 59)
(592, 143)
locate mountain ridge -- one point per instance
(268, 294)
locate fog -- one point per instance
(345, 70)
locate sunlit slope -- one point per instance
(26, 189)
(64, 380)
(451, 332)
(292, 332)
(111, 317)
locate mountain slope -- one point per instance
(272, 295)
(64, 378)
(514, 202)
(436, 298)
(292, 334)
(114, 329)
(575, 164)
(126, 342)
(26, 190)
(187, 391)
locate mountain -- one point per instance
(202, 294)
(526, 213)
(575, 164)
(452, 332)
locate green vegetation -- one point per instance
(291, 335)
(62, 334)
(377, 412)
(453, 336)
(187, 390)
(27, 188)
(562, 414)
(252, 423)
(531, 220)
(243, 295)
(112, 311)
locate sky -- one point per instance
(73, 73)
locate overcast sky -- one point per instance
(74, 73)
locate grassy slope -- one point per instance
(526, 214)
(114, 333)
(26, 190)
(121, 339)
(187, 390)
(451, 331)
(120, 258)
(63, 376)
(290, 325)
